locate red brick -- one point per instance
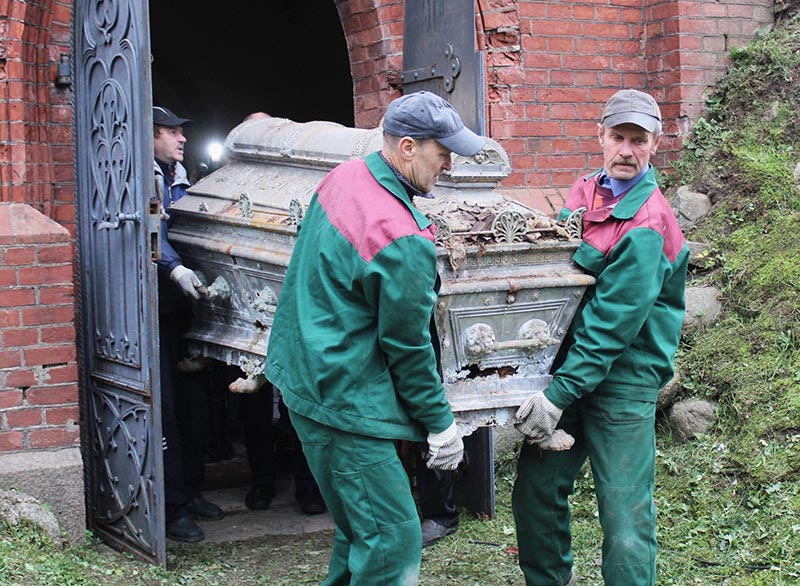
(35, 316)
(19, 255)
(10, 441)
(62, 415)
(45, 355)
(52, 437)
(45, 275)
(56, 254)
(56, 295)
(18, 418)
(584, 12)
(21, 378)
(19, 297)
(58, 334)
(10, 398)
(52, 395)
(58, 375)
(10, 358)
(16, 338)
(8, 277)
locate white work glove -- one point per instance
(187, 281)
(445, 449)
(246, 386)
(537, 418)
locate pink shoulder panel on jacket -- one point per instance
(368, 215)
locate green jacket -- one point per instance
(350, 345)
(623, 339)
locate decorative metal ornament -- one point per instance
(509, 226)
(295, 212)
(443, 231)
(245, 205)
(574, 224)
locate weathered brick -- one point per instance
(52, 437)
(10, 441)
(10, 358)
(56, 254)
(18, 297)
(25, 417)
(10, 398)
(45, 355)
(45, 275)
(35, 316)
(52, 395)
(62, 415)
(19, 255)
(21, 378)
(17, 338)
(65, 374)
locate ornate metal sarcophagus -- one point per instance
(509, 287)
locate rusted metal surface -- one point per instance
(509, 287)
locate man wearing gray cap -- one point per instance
(617, 355)
(350, 345)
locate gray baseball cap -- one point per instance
(426, 115)
(632, 107)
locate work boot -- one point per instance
(259, 498)
(433, 531)
(203, 509)
(184, 529)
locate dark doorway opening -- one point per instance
(217, 63)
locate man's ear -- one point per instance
(600, 133)
(407, 147)
(656, 142)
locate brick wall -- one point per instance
(36, 152)
(38, 370)
(374, 33)
(551, 65)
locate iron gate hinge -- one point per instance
(449, 70)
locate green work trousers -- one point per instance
(618, 437)
(378, 538)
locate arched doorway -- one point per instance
(286, 58)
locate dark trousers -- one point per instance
(184, 413)
(436, 491)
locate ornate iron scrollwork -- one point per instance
(509, 226)
(574, 224)
(443, 231)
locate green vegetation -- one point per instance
(728, 502)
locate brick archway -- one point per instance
(374, 33)
(36, 131)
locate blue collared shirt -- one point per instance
(618, 186)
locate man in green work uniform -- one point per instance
(350, 347)
(618, 354)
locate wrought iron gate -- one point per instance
(117, 231)
(439, 56)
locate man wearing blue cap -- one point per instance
(617, 355)
(351, 346)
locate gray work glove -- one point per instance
(537, 418)
(445, 449)
(187, 281)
